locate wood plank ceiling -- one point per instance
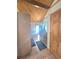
(37, 12)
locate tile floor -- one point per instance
(37, 54)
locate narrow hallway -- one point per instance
(39, 33)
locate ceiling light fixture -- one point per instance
(36, 6)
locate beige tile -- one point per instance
(37, 54)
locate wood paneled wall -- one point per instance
(55, 33)
(37, 14)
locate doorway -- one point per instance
(39, 35)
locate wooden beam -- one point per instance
(38, 4)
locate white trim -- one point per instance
(48, 33)
(54, 8)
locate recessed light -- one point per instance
(36, 6)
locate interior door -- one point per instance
(55, 33)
